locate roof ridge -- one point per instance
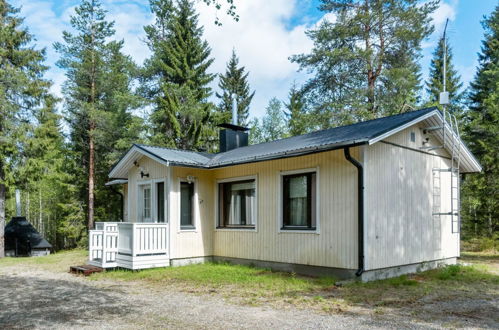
(331, 128)
(167, 148)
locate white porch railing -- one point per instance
(129, 245)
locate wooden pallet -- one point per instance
(85, 269)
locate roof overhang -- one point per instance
(468, 162)
(120, 170)
(115, 182)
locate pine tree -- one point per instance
(434, 85)
(97, 95)
(364, 64)
(298, 118)
(481, 191)
(234, 81)
(21, 89)
(176, 77)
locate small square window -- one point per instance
(413, 137)
(237, 204)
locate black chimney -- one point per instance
(232, 137)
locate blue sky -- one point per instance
(266, 35)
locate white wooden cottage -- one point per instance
(372, 200)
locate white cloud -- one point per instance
(446, 10)
(262, 38)
(129, 21)
(263, 43)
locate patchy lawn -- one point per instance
(469, 290)
(459, 295)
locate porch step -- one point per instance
(86, 270)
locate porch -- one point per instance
(128, 245)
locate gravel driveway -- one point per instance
(43, 299)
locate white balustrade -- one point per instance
(129, 245)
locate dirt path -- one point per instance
(43, 299)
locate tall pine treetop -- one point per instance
(364, 64)
(234, 81)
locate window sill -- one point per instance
(187, 228)
(298, 230)
(250, 229)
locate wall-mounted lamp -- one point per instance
(143, 172)
(191, 178)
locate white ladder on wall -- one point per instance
(450, 121)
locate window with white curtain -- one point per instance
(237, 204)
(299, 201)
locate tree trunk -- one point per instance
(2, 210)
(91, 142)
(91, 173)
(491, 229)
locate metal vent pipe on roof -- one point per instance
(234, 109)
(18, 203)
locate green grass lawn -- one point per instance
(57, 262)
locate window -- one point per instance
(237, 204)
(299, 201)
(187, 205)
(160, 198)
(145, 202)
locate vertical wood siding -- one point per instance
(155, 170)
(400, 228)
(198, 242)
(336, 243)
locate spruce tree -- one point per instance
(434, 85)
(21, 89)
(176, 78)
(298, 118)
(364, 64)
(481, 190)
(234, 81)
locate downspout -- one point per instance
(360, 206)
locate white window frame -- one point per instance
(195, 202)
(154, 200)
(280, 196)
(139, 199)
(217, 203)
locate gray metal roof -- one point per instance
(328, 139)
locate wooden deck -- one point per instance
(86, 270)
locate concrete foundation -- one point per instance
(189, 261)
(383, 273)
(318, 271)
